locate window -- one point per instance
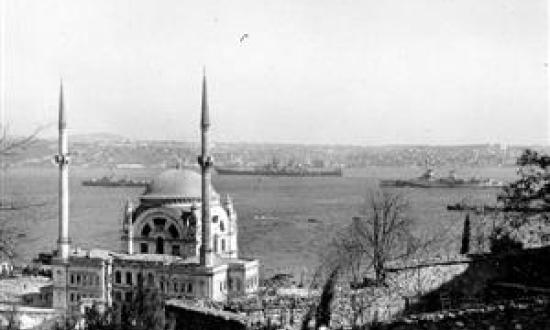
(160, 245)
(215, 219)
(118, 277)
(97, 280)
(176, 250)
(173, 232)
(144, 247)
(159, 224)
(150, 279)
(72, 296)
(129, 278)
(78, 279)
(140, 278)
(222, 226)
(118, 295)
(146, 230)
(189, 287)
(223, 244)
(128, 296)
(72, 278)
(230, 283)
(175, 287)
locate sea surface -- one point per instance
(274, 212)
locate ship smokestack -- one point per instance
(205, 162)
(62, 159)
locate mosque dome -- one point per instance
(180, 183)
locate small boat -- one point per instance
(264, 217)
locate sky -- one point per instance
(357, 72)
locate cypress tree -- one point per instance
(465, 248)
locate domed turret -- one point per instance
(177, 183)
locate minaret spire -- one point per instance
(205, 162)
(205, 117)
(62, 159)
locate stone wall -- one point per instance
(185, 317)
(530, 315)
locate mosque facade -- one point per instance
(181, 237)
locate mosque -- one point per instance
(181, 238)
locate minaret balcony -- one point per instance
(208, 162)
(62, 159)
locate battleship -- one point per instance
(274, 169)
(107, 181)
(429, 180)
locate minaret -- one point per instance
(205, 162)
(62, 159)
(130, 226)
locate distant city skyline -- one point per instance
(312, 72)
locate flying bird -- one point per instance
(244, 36)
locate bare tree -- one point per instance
(11, 145)
(381, 234)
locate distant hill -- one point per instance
(98, 137)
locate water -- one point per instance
(273, 212)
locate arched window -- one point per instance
(173, 232)
(160, 245)
(159, 224)
(146, 230)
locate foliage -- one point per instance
(502, 241)
(465, 246)
(7, 244)
(144, 312)
(322, 315)
(531, 192)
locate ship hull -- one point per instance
(114, 185)
(260, 172)
(441, 185)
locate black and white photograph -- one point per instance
(274, 165)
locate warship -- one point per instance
(274, 169)
(109, 181)
(429, 180)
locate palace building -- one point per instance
(181, 237)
